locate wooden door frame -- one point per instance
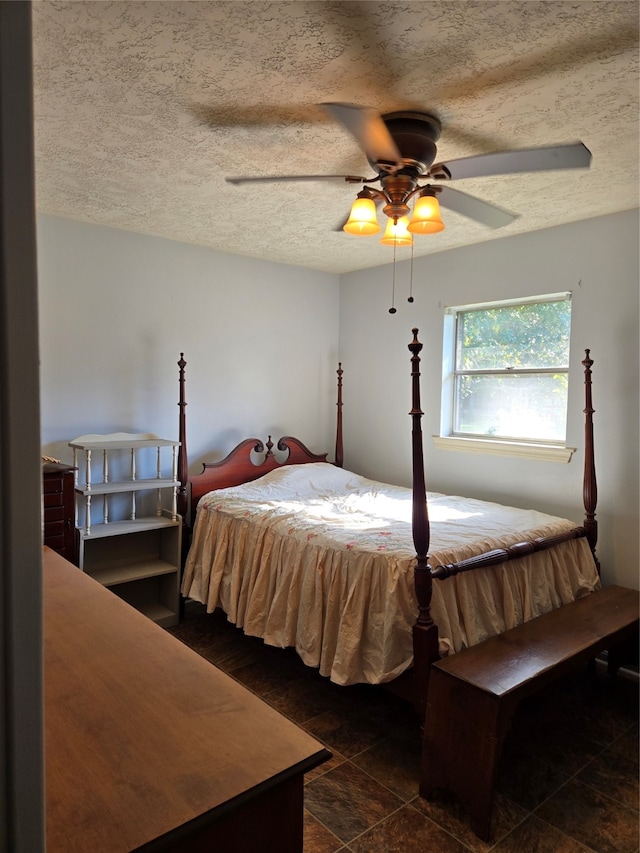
(21, 716)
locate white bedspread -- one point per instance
(319, 558)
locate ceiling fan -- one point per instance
(401, 149)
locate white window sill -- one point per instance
(539, 452)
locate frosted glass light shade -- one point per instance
(396, 234)
(426, 217)
(362, 219)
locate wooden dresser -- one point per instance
(59, 509)
(149, 747)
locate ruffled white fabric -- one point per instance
(321, 559)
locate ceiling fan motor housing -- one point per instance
(397, 189)
(415, 135)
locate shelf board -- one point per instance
(159, 614)
(118, 528)
(114, 575)
(121, 441)
(100, 488)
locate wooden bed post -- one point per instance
(339, 453)
(589, 485)
(183, 464)
(425, 631)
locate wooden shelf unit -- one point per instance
(136, 557)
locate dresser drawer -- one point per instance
(56, 542)
(54, 513)
(53, 499)
(52, 483)
(59, 509)
(53, 528)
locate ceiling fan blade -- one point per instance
(263, 179)
(369, 130)
(573, 156)
(474, 208)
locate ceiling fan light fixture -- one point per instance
(426, 217)
(396, 233)
(363, 217)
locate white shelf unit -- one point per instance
(135, 553)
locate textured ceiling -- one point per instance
(143, 108)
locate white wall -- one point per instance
(261, 342)
(597, 260)
(117, 309)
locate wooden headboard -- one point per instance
(239, 467)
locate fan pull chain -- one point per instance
(392, 310)
(410, 299)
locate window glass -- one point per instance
(510, 370)
(520, 407)
(532, 335)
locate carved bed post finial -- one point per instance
(425, 632)
(339, 453)
(589, 485)
(183, 464)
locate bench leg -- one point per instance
(621, 654)
(464, 729)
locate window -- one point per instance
(506, 370)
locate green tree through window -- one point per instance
(511, 370)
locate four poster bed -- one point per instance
(303, 553)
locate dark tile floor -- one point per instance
(568, 780)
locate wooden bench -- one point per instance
(473, 694)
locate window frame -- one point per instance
(534, 448)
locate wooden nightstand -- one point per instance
(59, 509)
